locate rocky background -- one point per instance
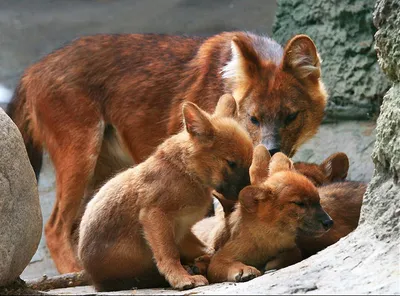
(343, 32)
(363, 262)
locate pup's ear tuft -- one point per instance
(280, 162)
(336, 167)
(259, 165)
(197, 122)
(251, 196)
(226, 107)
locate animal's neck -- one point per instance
(267, 235)
(178, 152)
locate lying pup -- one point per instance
(332, 169)
(341, 199)
(265, 222)
(136, 230)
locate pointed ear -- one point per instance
(245, 62)
(336, 167)
(280, 162)
(197, 122)
(226, 106)
(251, 196)
(259, 165)
(302, 59)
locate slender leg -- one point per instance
(159, 233)
(225, 264)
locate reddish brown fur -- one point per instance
(147, 211)
(332, 169)
(265, 222)
(341, 199)
(130, 89)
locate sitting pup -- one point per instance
(266, 220)
(136, 230)
(341, 199)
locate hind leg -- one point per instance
(74, 166)
(72, 130)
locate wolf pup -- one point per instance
(104, 102)
(137, 228)
(341, 199)
(265, 223)
(332, 169)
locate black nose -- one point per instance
(273, 151)
(327, 224)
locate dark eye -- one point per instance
(254, 120)
(291, 117)
(300, 204)
(231, 164)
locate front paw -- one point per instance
(244, 274)
(272, 265)
(188, 282)
(201, 264)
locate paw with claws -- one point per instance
(244, 273)
(189, 282)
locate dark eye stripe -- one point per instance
(231, 164)
(254, 120)
(299, 203)
(291, 117)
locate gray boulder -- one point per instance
(20, 214)
(343, 32)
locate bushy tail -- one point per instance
(19, 112)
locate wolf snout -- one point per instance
(327, 223)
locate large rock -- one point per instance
(343, 32)
(20, 215)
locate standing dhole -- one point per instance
(137, 228)
(104, 102)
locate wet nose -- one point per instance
(327, 224)
(273, 151)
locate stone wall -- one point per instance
(343, 32)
